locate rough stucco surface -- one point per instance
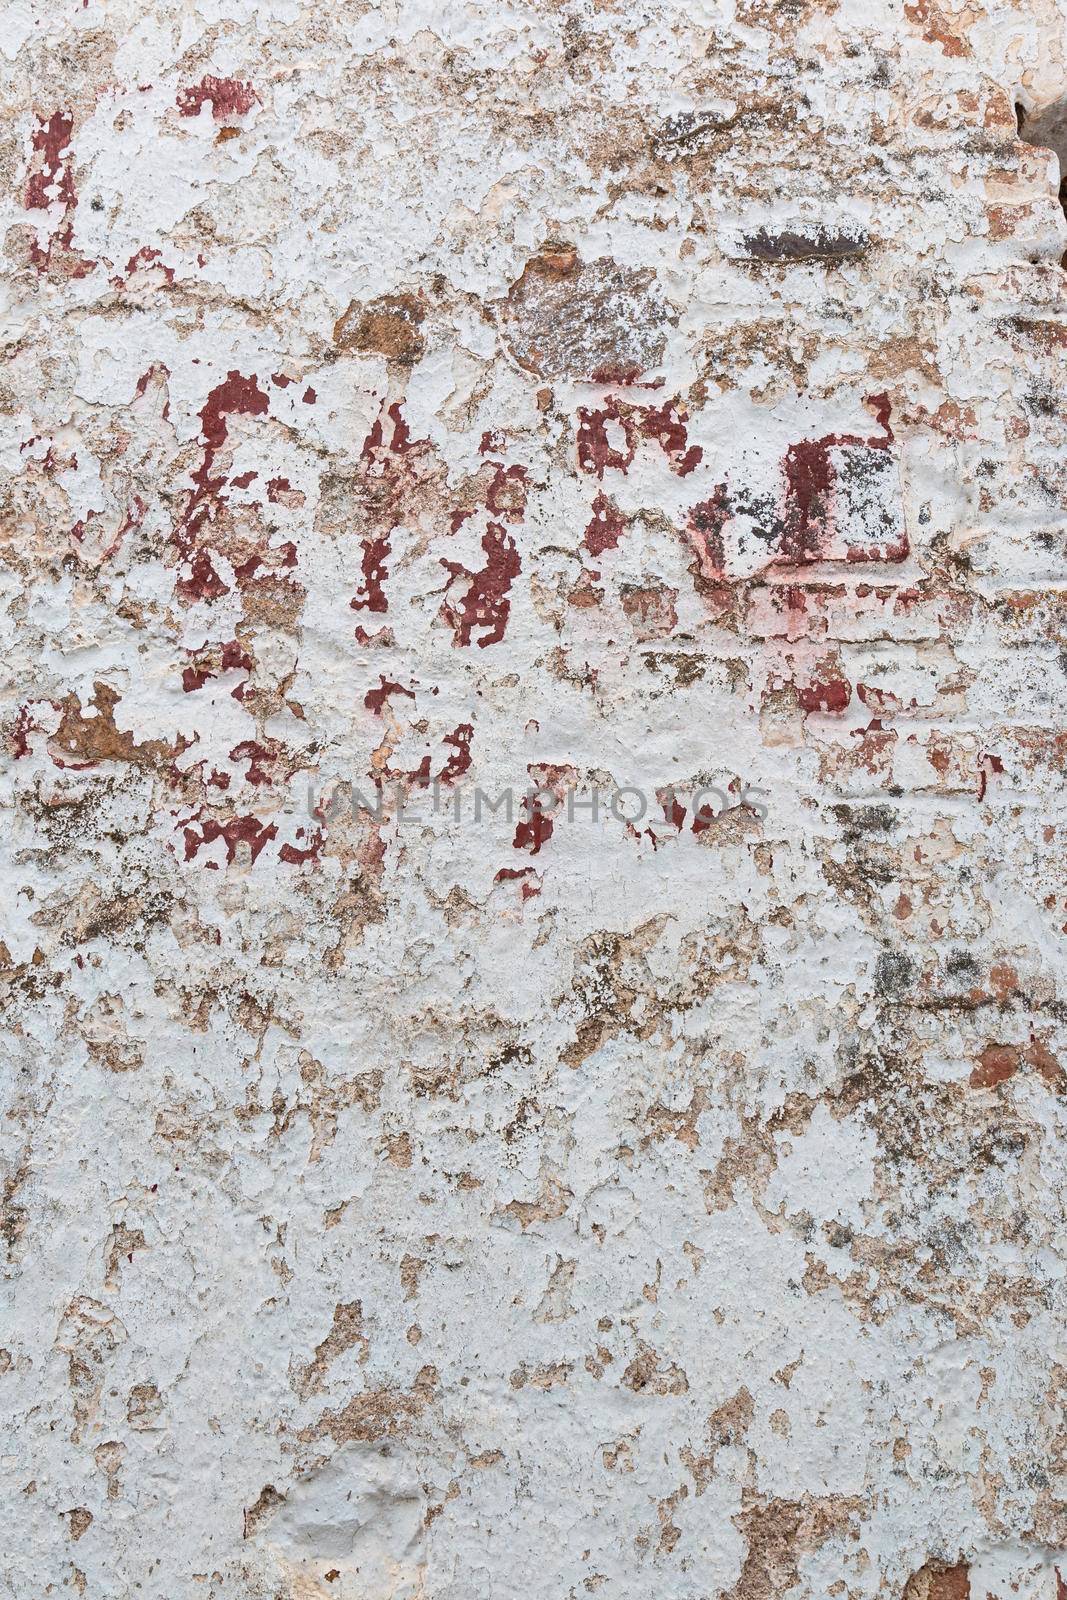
(578, 395)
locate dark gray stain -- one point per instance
(816, 245)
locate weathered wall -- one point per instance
(588, 395)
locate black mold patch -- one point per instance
(866, 819)
(893, 974)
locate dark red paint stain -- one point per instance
(538, 825)
(259, 758)
(459, 761)
(617, 373)
(375, 699)
(703, 819)
(596, 453)
(485, 603)
(54, 171)
(988, 764)
(536, 828)
(704, 534)
(506, 495)
(810, 480)
(236, 395)
(382, 640)
(828, 694)
(146, 256)
(400, 441)
(606, 526)
(18, 739)
(238, 830)
(664, 425)
(673, 809)
(384, 469)
(296, 855)
(50, 139)
(201, 582)
(372, 596)
(245, 571)
(530, 891)
(228, 97)
(232, 658)
(455, 765)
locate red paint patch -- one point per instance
(454, 766)
(285, 557)
(258, 758)
(232, 658)
(236, 395)
(704, 535)
(202, 582)
(382, 640)
(596, 453)
(375, 699)
(529, 891)
(227, 97)
(617, 374)
(459, 761)
(20, 728)
(664, 425)
(50, 139)
(673, 809)
(372, 596)
(536, 828)
(506, 495)
(400, 442)
(238, 830)
(606, 526)
(296, 855)
(811, 478)
(486, 603)
(988, 764)
(52, 183)
(389, 475)
(145, 257)
(830, 692)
